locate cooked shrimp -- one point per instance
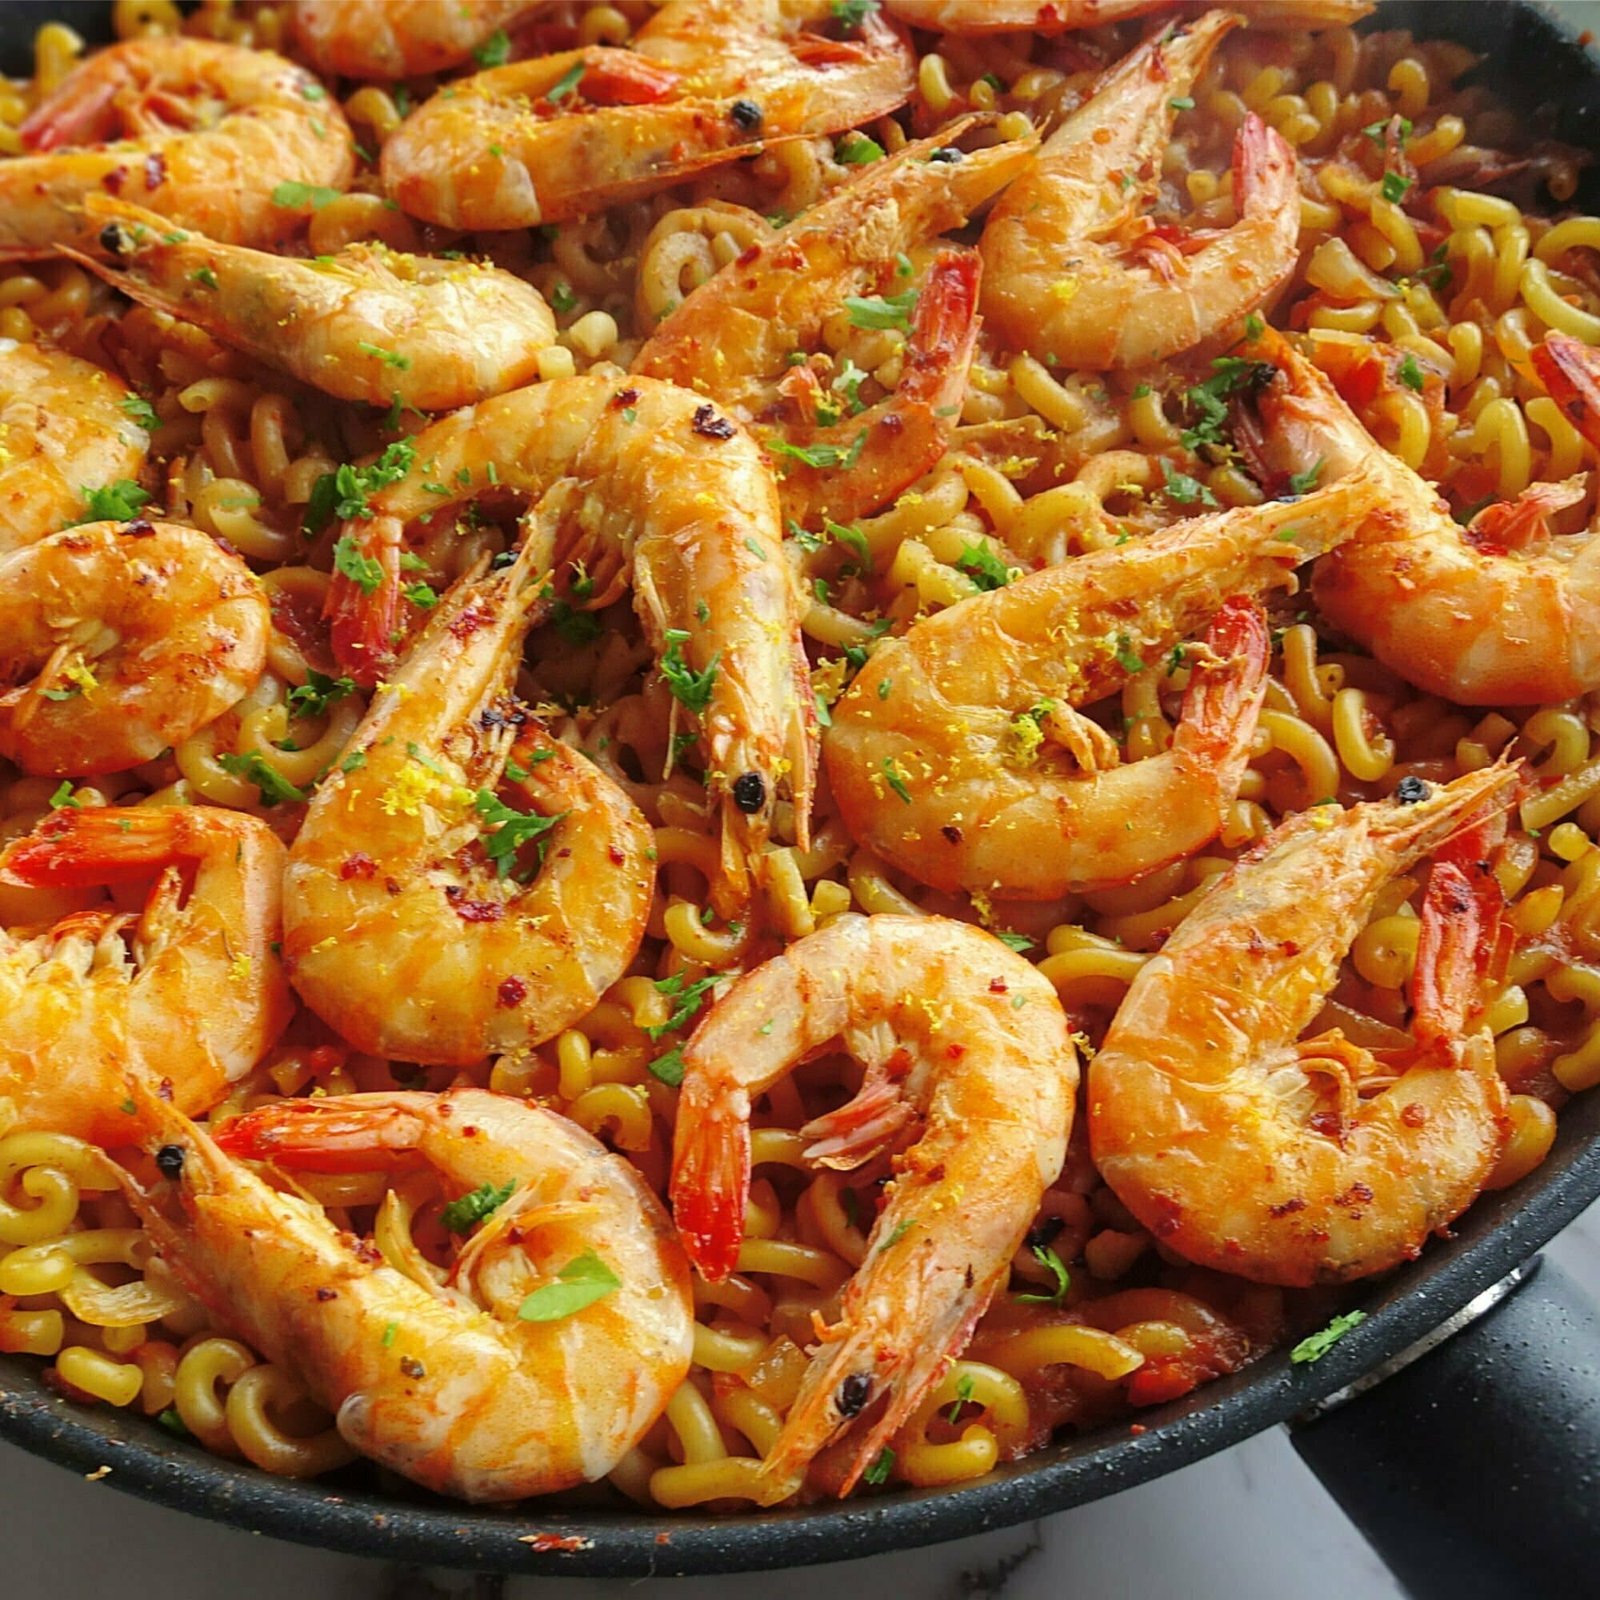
(1247, 1149)
(369, 323)
(733, 338)
(1064, 16)
(1075, 273)
(203, 133)
(652, 481)
(131, 635)
(188, 992)
(389, 39)
(959, 754)
(1499, 613)
(970, 1080)
(465, 1381)
(702, 83)
(65, 429)
(418, 920)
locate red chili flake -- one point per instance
(512, 992)
(327, 1294)
(164, 1089)
(1136, 1429)
(1288, 1208)
(557, 1542)
(1414, 1115)
(113, 181)
(1328, 1123)
(955, 1051)
(709, 424)
(155, 170)
(139, 528)
(952, 833)
(358, 865)
(472, 910)
(998, 986)
(624, 397)
(616, 854)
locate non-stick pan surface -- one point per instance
(1534, 60)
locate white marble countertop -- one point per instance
(1249, 1524)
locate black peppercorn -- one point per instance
(745, 114)
(169, 1160)
(749, 792)
(1410, 789)
(853, 1394)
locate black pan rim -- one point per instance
(1497, 1235)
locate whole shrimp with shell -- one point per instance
(1075, 273)
(532, 1361)
(702, 83)
(643, 483)
(736, 336)
(969, 1078)
(1202, 1077)
(366, 323)
(202, 133)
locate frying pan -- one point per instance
(1459, 1424)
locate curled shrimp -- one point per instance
(473, 1380)
(65, 430)
(1074, 271)
(703, 82)
(1064, 16)
(970, 1080)
(201, 132)
(734, 336)
(1499, 613)
(1214, 1125)
(958, 752)
(187, 992)
(389, 39)
(130, 636)
(414, 924)
(369, 323)
(647, 481)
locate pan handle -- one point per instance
(1472, 1461)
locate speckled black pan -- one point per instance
(1535, 60)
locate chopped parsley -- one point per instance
(1254, 327)
(1378, 131)
(821, 455)
(512, 829)
(901, 1230)
(1409, 373)
(342, 494)
(390, 358)
(421, 595)
(363, 570)
(882, 311)
(63, 797)
(139, 410)
(891, 773)
(852, 538)
(205, 277)
(462, 1215)
(850, 14)
(1019, 942)
(983, 566)
(669, 1068)
(1208, 399)
(173, 1423)
(1127, 657)
(689, 688)
(859, 150)
(1183, 489)
(495, 51)
(254, 768)
(1317, 1345)
(1305, 482)
(317, 693)
(878, 1472)
(562, 299)
(687, 998)
(578, 1284)
(296, 195)
(1182, 102)
(1394, 187)
(121, 501)
(1048, 1259)
(566, 83)
(964, 1388)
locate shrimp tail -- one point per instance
(710, 1179)
(363, 604)
(624, 78)
(1517, 524)
(1225, 696)
(73, 115)
(1570, 373)
(943, 329)
(74, 849)
(1455, 943)
(325, 1135)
